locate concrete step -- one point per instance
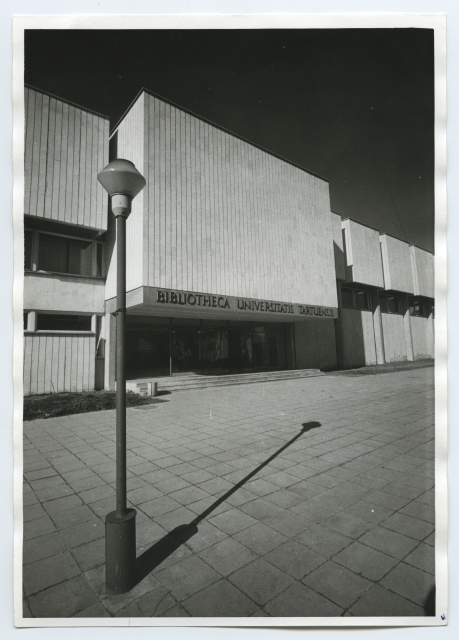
(188, 382)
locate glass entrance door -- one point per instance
(240, 350)
(214, 350)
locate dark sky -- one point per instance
(355, 106)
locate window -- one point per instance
(355, 299)
(64, 255)
(55, 322)
(389, 304)
(27, 249)
(417, 307)
(25, 320)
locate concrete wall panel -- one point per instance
(315, 344)
(222, 216)
(398, 275)
(394, 337)
(422, 264)
(55, 363)
(63, 293)
(421, 334)
(363, 254)
(358, 340)
(65, 148)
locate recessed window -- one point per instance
(355, 299)
(417, 307)
(389, 303)
(27, 249)
(64, 255)
(25, 319)
(56, 322)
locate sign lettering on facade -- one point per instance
(183, 298)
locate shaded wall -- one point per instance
(54, 363)
(394, 337)
(363, 254)
(222, 216)
(358, 340)
(315, 344)
(65, 148)
(422, 337)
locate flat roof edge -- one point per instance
(216, 126)
(72, 104)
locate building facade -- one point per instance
(235, 261)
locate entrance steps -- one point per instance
(148, 386)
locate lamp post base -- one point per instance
(120, 552)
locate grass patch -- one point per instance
(67, 404)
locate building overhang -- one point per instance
(153, 301)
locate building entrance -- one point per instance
(158, 347)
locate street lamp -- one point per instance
(122, 182)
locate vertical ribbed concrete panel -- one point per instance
(422, 264)
(56, 363)
(394, 337)
(338, 247)
(222, 216)
(358, 338)
(130, 145)
(398, 275)
(315, 344)
(65, 148)
(362, 254)
(422, 337)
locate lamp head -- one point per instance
(122, 182)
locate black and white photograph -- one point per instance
(229, 277)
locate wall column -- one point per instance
(377, 327)
(110, 351)
(407, 325)
(430, 329)
(338, 323)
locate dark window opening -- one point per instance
(64, 255)
(355, 299)
(25, 320)
(389, 304)
(28, 249)
(418, 307)
(99, 252)
(55, 322)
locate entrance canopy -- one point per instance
(171, 303)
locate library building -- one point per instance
(235, 263)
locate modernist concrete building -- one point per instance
(235, 262)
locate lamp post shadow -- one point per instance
(157, 553)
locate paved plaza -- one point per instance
(309, 497)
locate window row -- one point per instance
(60, 254)
(389, 303)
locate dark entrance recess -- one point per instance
(162, 347)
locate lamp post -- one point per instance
(122, 182)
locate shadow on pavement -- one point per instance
(156, 554)
(429, 603)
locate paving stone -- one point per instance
(347, 525)
(206, 536)
(386, 500)
(39, 527)
(260, 538)
(42, 547)
(288, 523)
(143, 494)
(301, 601)
(33, 512)
(408, 526)
(220, 599)
(82, 533)
(52, 493)
(186, 578)
(172, 484)
(410, 583)
(156, 602)
(98, 493)
(176, 612)
(389, 542)
(62, 504)
(337, 583)
(307, 489)
(261, 581)
(423, 557)
(365, 561)
(90, 555)
(323, 540)
(159, 506)
(295, 559)
(261, 509)
(285, 498)
(131, 610)
(227, 556)
(314, 511)
(64, 519)
(403, 490)
(63, 600)
(232, 521)
(94, 611)
(176, 518)
(189, 495)
(373, 513)
(47, 572)
(420, 510)
(381, 602)
(282, 478)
